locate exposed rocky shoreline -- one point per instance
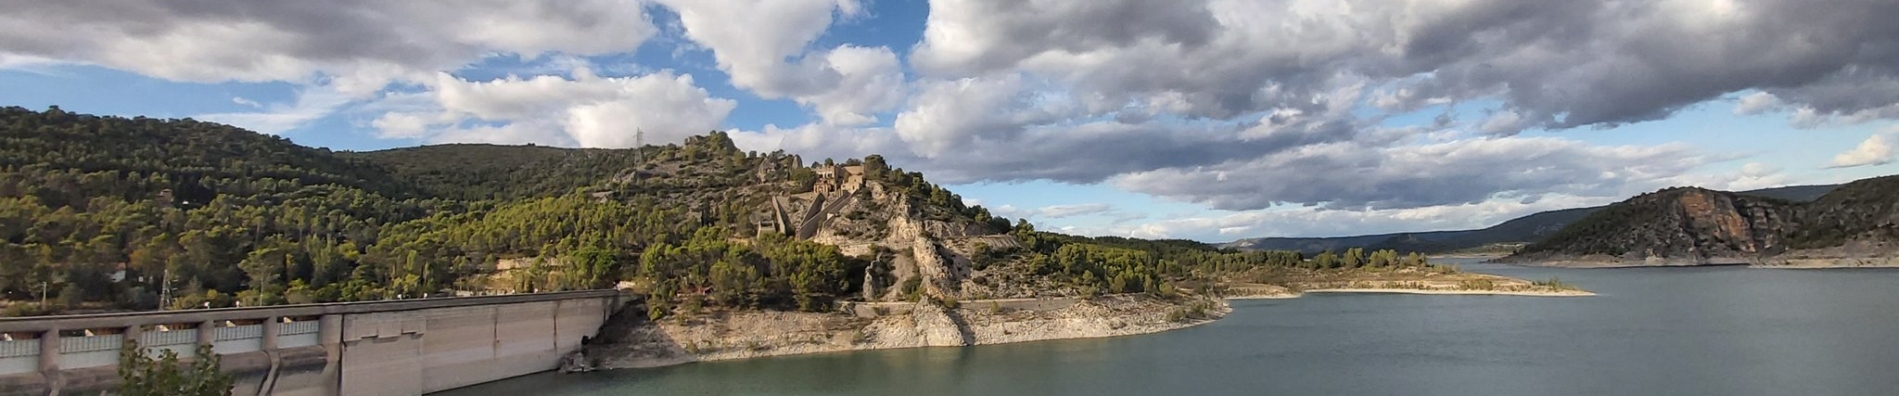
(629, 340)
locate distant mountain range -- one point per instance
(1501, 238)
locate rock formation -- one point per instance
(1693, 226)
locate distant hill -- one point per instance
(1503, 237)
(1687, 226)
(1794, 193)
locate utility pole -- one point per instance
(42, 295)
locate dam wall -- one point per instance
(406, 347)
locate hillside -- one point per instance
(485, 171)
(1503, 237)
(1689, 226)
(116, 213)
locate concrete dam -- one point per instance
(404, 347)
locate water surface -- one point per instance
(1665, 331)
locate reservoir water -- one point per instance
(1651, 331)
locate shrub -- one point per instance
(912, 288)
(141, 375)
(22, 309)
(1554, 283)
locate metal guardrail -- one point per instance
(239, 332)
(163, 338)
(19, 348)
(109, 342)
(295, 328)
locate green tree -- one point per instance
(1326, 260)
(1353, 258)
(142, 375)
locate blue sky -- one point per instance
(1203, 119)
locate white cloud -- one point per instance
(762, 45)
(1756, 103)
(1355, 176)
(1876, 150)
(869, 81)
(586, 110)
(1315, 222)
(949, 116)
(1553, 64)
(1751, 176)
(819, 140)
(397, 125)
(312, 103)
(369, 42)
(336, 53)
(1503, 123)
(1065, 211)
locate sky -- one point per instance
(1211, 120)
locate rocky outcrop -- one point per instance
(939, 276)
(1853, 225)
(1673, 227)
(939, 326)
(630, 341)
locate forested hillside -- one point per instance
(109, 213)
(228, 217)
(484, 171)
(82, 197)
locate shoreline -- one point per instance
(739, 335)
(1519, 293)
(1609, 264)
(1820, 266)
(1808, 259)
(760, 334)
(1515, 293)
(1829, 264)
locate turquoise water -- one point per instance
(1674, 331)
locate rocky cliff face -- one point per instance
(1675, 226)
(1689, 226)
